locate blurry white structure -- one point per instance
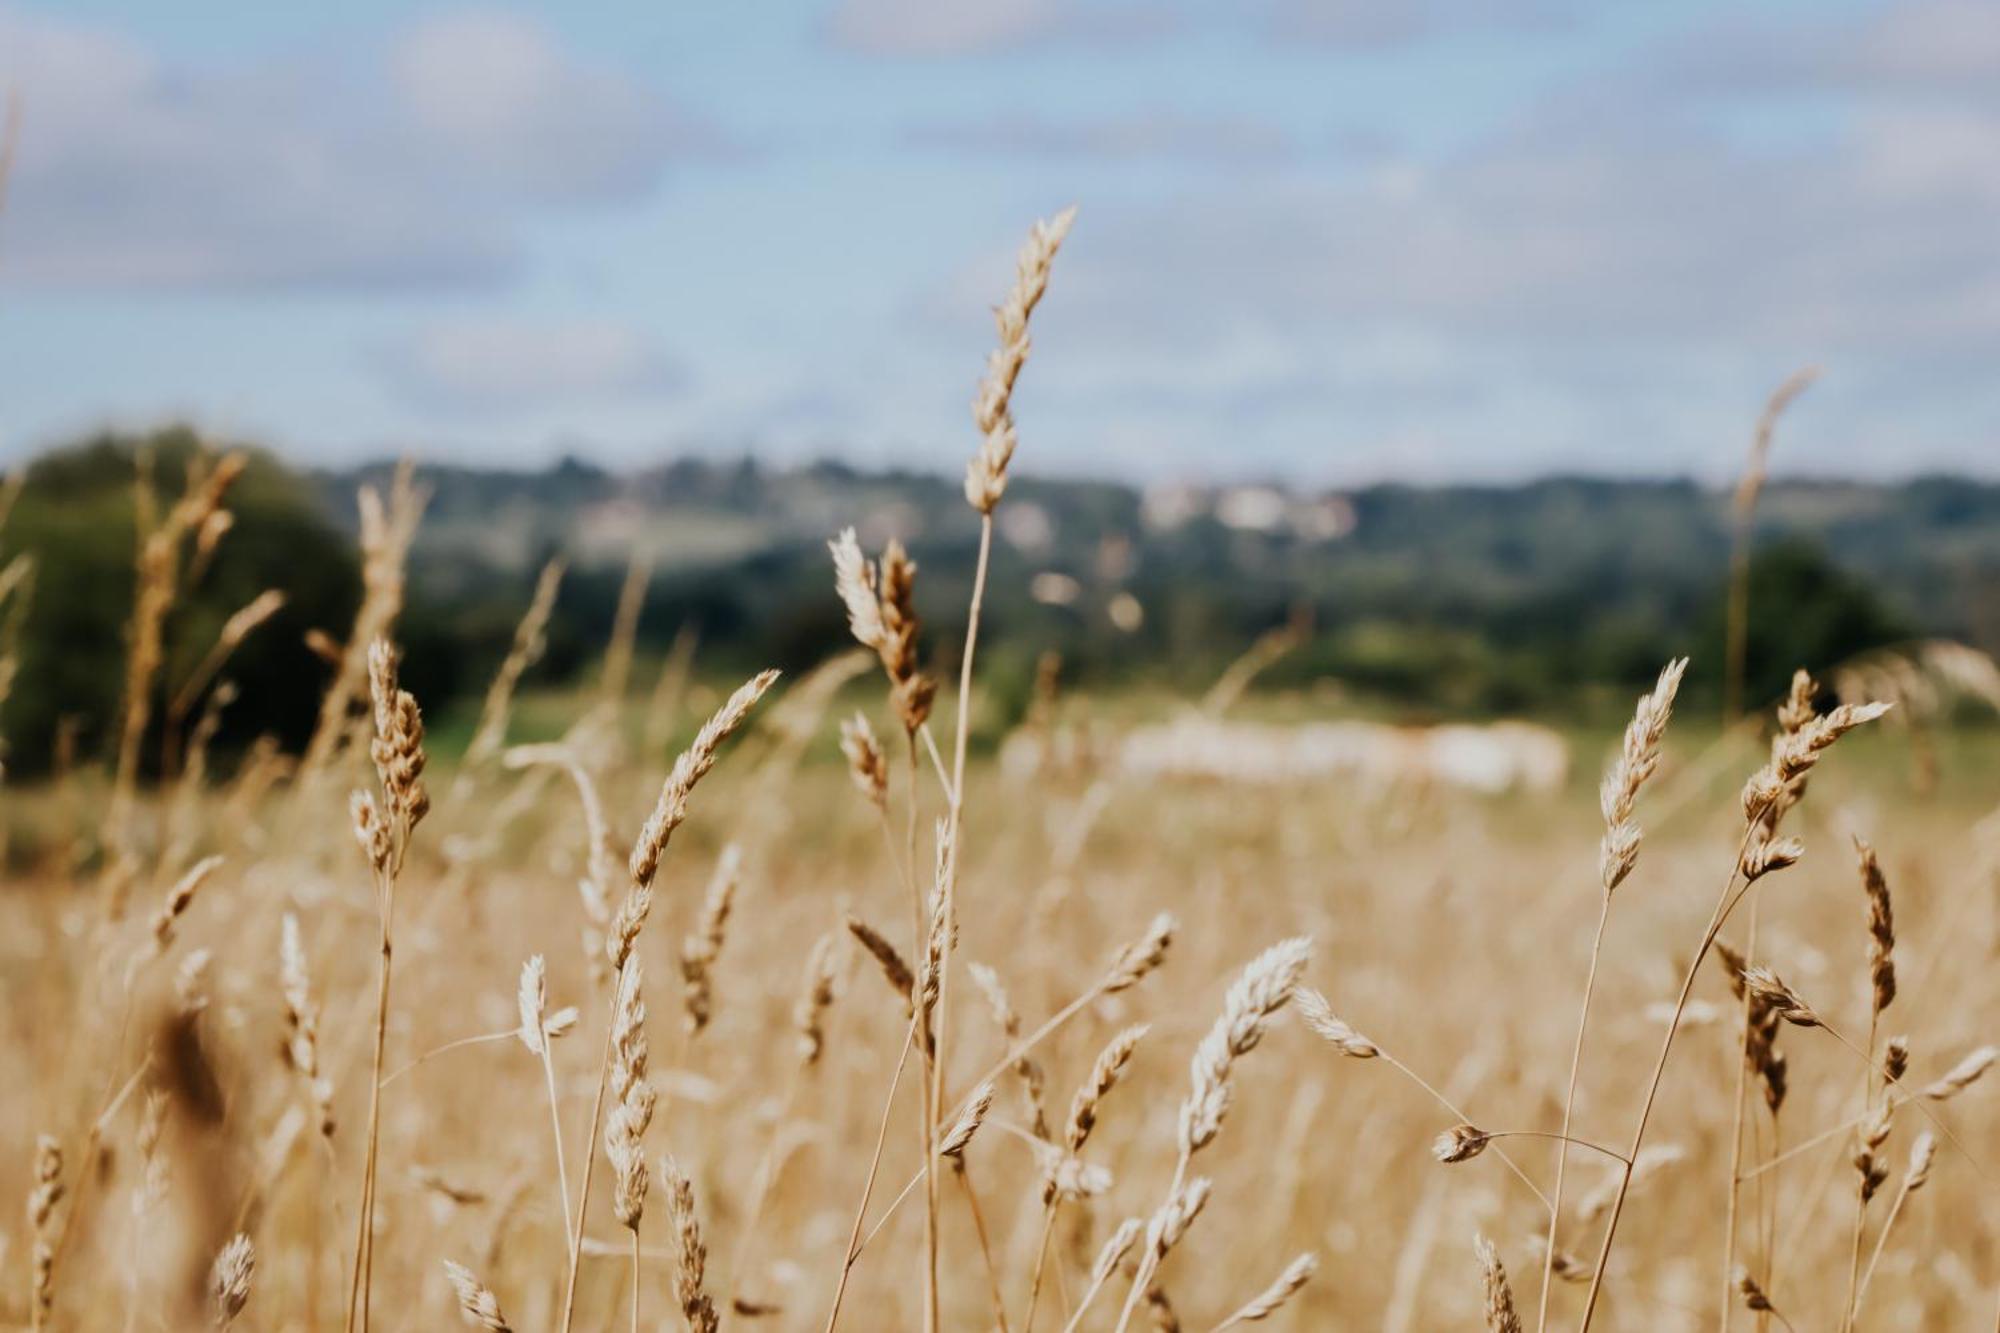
(1492, 759)
(1266, 509)
(1051, 588)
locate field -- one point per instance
(713, 1004)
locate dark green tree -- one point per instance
(76, 516)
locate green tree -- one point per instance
(77, 516)
(1805, 611)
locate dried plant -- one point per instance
(1268, 1302)
(691, 1251)
(703, 946)
(384, 835)
(1500, 1316)
(302, 1023)
(479, 1306)
(230, 1278)
(530, 642)
(992, 409)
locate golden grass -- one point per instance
(1210, 954)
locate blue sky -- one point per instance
(1328, 240)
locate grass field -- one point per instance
(782, 1004)
(1451, 930)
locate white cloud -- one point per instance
(494, 365)
(1373, 23)
(944, 28)
(1160, 135)
(410, 164)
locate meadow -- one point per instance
(779, 1003)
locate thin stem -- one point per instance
(1881, 1239)
(364, 1247)
(760, 1188)
(589, 1161)
(1446, 1103)
(927, 1123)
(1041, 1258)
(1861, 1187)
(1149, 1262)
(1089, 1295)
(1566, 1140)
(435, 1051)
(868, 1186)
(1028, 1043)
(938, 769)
(1720, 914)
(555, 1129)
(1569, 1110)
(889, 1214)
(985, 1246)
(635, 1279)
(1736, 1135)
(1909, 1099)
(91, 1139)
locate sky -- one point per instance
(1323, 241)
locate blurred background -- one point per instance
(1437, 331)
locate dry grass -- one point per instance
(830, 1153)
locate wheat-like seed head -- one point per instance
(866, 763)
(530, 641)
(43, 1197)
(1317, 1014)
(479, 1306)
(1115, 1248)
(809, 1013)
(1797, 709)
(1105, 1072)
(1141, 956)
(154, 1171)
(398, 747)
(1763, 854)
(1460, 1143)
(1500, 1315)
(894, 970)
(1173, 1218)
(854, 580)
(1923, 1151)
(992, 410)
(1067, 1176)
(1881, 929)
(371, 831)
(1869, 1136)
(691, 1250)
(533, 1002)
(701, 948)
(959, 1136)
(1963, 1074)
(229, 1279)
(179, 898)
(1026, 1068)
(632, 1111)
(1768, 987)
(1267, 1302)
(692, 766)
(1259, 992)
(1794, 754)
(1760, 1049)
(191, 984)
(880, 598)
(1753, 1294)
(1896, 1058)
(1638, 760)
(253, 613)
